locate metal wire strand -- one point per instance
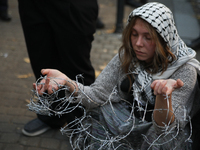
(53, 104)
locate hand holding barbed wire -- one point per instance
(166, 87)
(164, 113)
(46, 86)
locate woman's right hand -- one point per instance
(46, 85)
(166, 87)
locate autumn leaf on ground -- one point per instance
(27, 60)
(110, 30)
(97, 72)
(23, 76)
(102, 66)
(28, 101)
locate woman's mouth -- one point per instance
(138, 52)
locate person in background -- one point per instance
(58, 34)
(4, 11)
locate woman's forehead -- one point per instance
(140, 24)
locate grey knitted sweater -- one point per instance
(185, 101)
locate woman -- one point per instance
(144, 98)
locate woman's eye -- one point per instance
(148, 38)
(134, 34)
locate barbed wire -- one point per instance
(80, 130)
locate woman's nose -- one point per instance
(139, 41)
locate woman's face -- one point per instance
(142, 43)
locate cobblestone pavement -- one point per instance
(17, 78)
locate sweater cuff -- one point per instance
(167, 128)
(83, 97)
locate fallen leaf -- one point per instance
(27, 60)
(27, 100)
(97, 72)
(102, 67)
(110, 30)
(23, 76)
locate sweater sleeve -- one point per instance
(183, 98)
(103, 88)
(177, 133)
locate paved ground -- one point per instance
(17, 78)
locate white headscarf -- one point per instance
(161, 18)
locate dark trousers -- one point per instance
(3, 5)
(58, 35)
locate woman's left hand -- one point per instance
(166, 87)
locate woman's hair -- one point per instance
(163, 56)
